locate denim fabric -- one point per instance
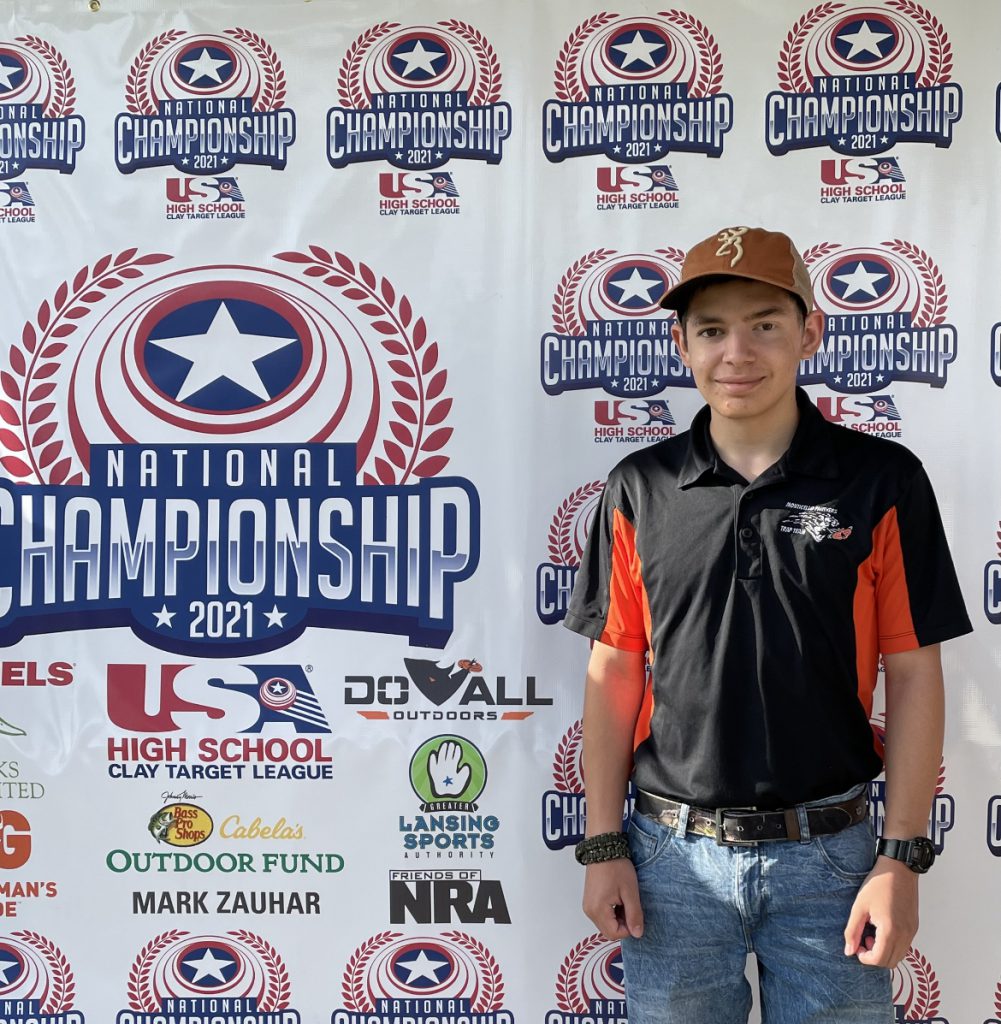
(705, 907)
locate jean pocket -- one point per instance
(647, 840)
(850, 853)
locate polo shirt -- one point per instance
(764, 607)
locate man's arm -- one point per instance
(612, 702)
(915, 721)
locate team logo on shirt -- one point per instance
(37, 983)
(847, 180)
(568, 531)
(886, 317)
(873, 414)
(862, 79)
(916, 996)
(590, 985)
(816, 521)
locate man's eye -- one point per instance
(709, 332)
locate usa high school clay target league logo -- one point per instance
(204, 103)
(609, 331)
(886, 308)
(636, 88)
(590, 982)
(36, 980)
(567, 535)
(860, 79)
(916, 992)
(418, 96)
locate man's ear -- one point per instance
(678, 335)
(813, 332)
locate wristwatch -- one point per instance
(917, 853)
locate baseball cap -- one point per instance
(752, 253)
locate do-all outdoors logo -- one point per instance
(847, 180)
(445, 979)
(568, 531)
(916, 995)
(873, 414)
(590, 985)
(234, 978)
(145, 488)
(609, 331)
(204, 103)
(861, 79)
(37, 981)
(886, 310)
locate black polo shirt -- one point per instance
(764, 607)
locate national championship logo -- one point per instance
(137, 411)
(203, 104)
(590, 985)
(609, 331)
(37, 981)
(236, 978)
(447, 979)
(861, 79)
(916, 994)
(568, 531)
(38, 128)
(886, 310)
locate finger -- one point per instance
(857, 921)
(632, 914)
(879, 953)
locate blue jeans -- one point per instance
(705, 907)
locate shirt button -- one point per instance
(746, 533)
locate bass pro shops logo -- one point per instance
(916, 995)
(861, 79)
(448, 979)
(145, 490)
(38, 984)
(590, 985)
(418, 96)
(886, 311)
(568, 531)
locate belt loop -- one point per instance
(681, 828)
(804, 823)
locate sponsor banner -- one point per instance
(590, 985)
(446, 896)
(39, 985)
(568, 531)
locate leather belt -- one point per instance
(747, 826)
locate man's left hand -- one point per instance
(884, 917)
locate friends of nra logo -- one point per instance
(417, 96)
(38, 128)
(448, 774)
(590, 985)
(141, 438)
(568, 532)
(652, 187)
(216, 198)
(637, 421)
(475, 695)
(236, 977)
(446, 896)
(860, 80)
(633, 89)
(203, 104)
(609, 331)
(18, 207)
(252, 721)
(916, 995)
(450, 978)
(873, 414)
(409, 194)
(886, 312)
(39, 986)
(847, 180)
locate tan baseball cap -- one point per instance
(752, 253)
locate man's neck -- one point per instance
(752, 446)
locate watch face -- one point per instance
(922, 854)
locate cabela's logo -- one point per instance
(143, 445)
(916, 996)
(204, 103)
(862, 79)
(886, 312)
(418, 96)
(590, 985)
(447, 979)
(636, 88)
(235, 978)
(37, 98)
(992, 584)
(568, 531)
(180, 824)
(609, 331)
(38, 982)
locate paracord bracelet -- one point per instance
(606, 846)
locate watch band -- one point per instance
(917, 853)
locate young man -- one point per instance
(755, 568)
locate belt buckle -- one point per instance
(721, 840)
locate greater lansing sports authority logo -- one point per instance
(37, 982)
(448, 978)
(141, 438)
(817, 521)
(860, 80)
(204, 103)
(916, 992)
(886, 310)
(609, 331)
(590, 986)
(568, 531)
(37, 100)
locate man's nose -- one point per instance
(739, 345)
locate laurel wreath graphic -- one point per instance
(569, 996)
(566, 775)
(562, 550)
(927, 995)
(416, 380)
(60, 996)
(492, 987)
(792, 75)
(488, 73)
(353, 988)
(28, 415)
(349, 87)
(997, 999)
(278, 991)
(140, 992)
(137, 96)
(939, 58)
(569, 79)
(708, 80)
(566, 320)
(272, 94)
(63, 86)
(999, 538)
(818, 252)
(932, 310)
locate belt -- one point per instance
(747, 826)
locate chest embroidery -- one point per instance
(819, 521)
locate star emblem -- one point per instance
(205, 66)
(208, 966)
(275, 617)
(638, 50)
(636, 286)
(8, 965)
(7, 72)
(864, 41)
(422, 966)
(164, 618)
(859, 280)
(418, 59)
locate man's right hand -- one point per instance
(612, 898)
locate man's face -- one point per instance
(743, 341)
